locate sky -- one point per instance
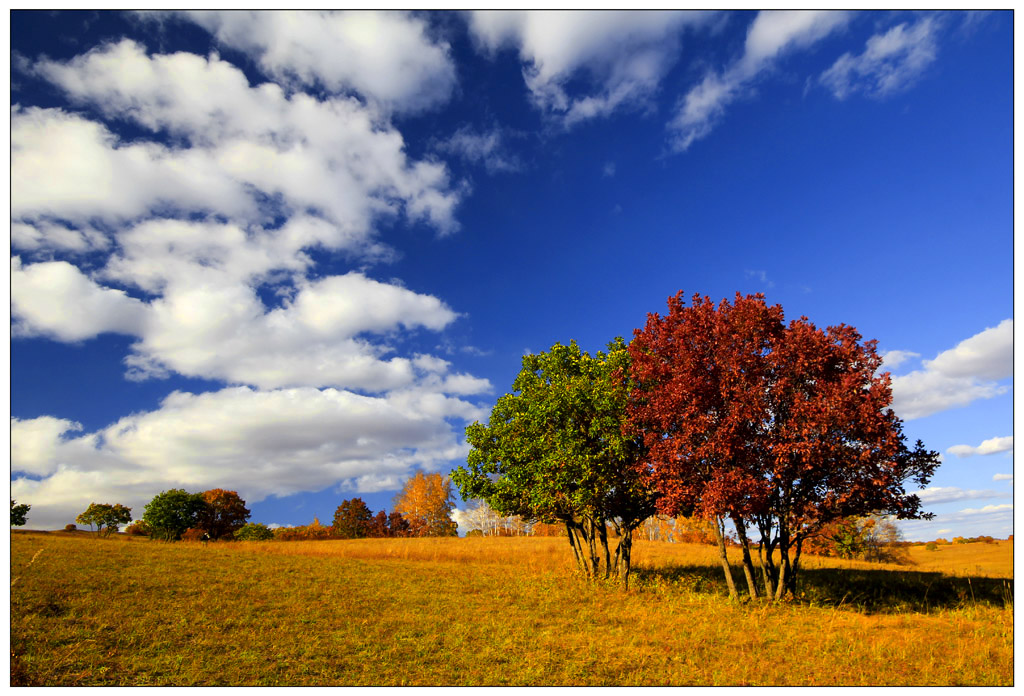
(295, 254)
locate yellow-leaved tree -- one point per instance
(426, 503)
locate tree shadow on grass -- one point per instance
(868, 590)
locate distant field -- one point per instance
(90, 611)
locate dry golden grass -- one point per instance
(89, 611)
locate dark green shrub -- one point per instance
(254, 531)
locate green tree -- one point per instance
(19, 513)
(170, 513)
(254, 531)
(352, 519)
(554, 451)
(106, 518)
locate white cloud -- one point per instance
(987, 355)
(56, 299)
(488, 149)
(994, 520)
(388, 58)
(256, 442)
(772, 34)
(1003, 477)
(891, 62)
(252, 151)
(934, 495)
(990, 446)
(958, 376)
(892, 359)
(623, 55)
(608, 170)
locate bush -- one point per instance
(194, 534)
(138, 528)
(70, 528)
(254, 531)
(931, 546)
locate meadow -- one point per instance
(490, 611)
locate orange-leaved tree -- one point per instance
(225, 513)
(426, 502)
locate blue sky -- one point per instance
(295, 255)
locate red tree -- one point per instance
(785, 428)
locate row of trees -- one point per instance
(724, 413)
(422, 508)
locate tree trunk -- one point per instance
(748, 565)
(603, 532)
(720, 536)
(626, 547)
(576, 549)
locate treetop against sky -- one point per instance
(296, 254)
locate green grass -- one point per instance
(90, 611)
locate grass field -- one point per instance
(496, 611)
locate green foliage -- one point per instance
(19, 513)
(254, 531)
(931, 546)
(553, 450)
(172, 512)
(105, 517)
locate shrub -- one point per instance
(931, 546)
(137, 528)
(253, 531)
(194, 534)
(70, 528)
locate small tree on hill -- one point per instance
(19, 513)
(225, 513)
(352, 519)
(106, 518)
(172, 512)
(426, 502)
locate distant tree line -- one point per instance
(422, 508)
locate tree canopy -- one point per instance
(782, 427)
(554, 451)
(225, 513)
(172, 512)
(19, 513)
(426, 502)
(352, 519)
(107, 518)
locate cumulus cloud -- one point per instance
(772, 34)
(253, 153)
(958, 376)
(389, 58)
(990, 446)
(892, 359)
(891, 62)
(203, 238)
(56, 299)
(1003, 477)
(257, 442)
(622, 55)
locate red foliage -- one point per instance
(787, 427)
(195, 534)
